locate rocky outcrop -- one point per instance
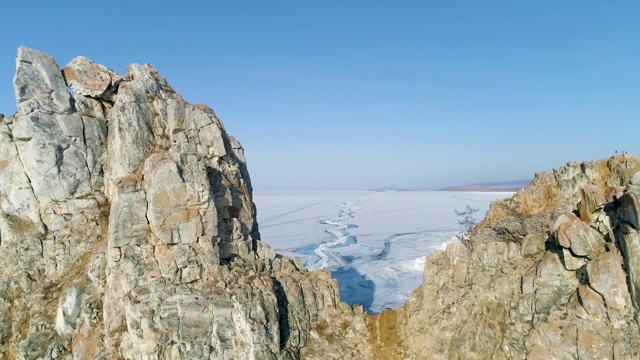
(128, 231)
(552, 274)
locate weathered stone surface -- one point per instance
(578, 237)
(176, 211)
(138, 239)
(629, 209)
(68, 311)
(90, 79)
(608, 279)
(563, 294)
(635, 180)
(16, 191)
(553, 284)
(39, 85)
(629, 241)
(592, 301)
(592, 200)
(532, 245)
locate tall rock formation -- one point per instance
(128, 231)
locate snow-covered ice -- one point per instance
(374, 243)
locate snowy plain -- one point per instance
(374, 243)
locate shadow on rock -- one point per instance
(355, 288)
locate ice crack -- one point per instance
(339, 230)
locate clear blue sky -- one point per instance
(359, 94)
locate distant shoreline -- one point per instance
(484, 188)
(508, 186)
(461, 189)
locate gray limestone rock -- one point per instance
(39, 85)
(139, 239)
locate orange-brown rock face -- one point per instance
(552, 274)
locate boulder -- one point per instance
(592, 200)
(90, 79)
(577, 236)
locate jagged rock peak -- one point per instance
(128, 231)
(38, 83)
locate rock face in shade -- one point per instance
(128, 231)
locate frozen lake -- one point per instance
(374, 243)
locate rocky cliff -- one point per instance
(552, 273)
(128, 231)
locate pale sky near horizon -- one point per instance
(351, 95)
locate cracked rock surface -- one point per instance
(128, 231)
(551, 273)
